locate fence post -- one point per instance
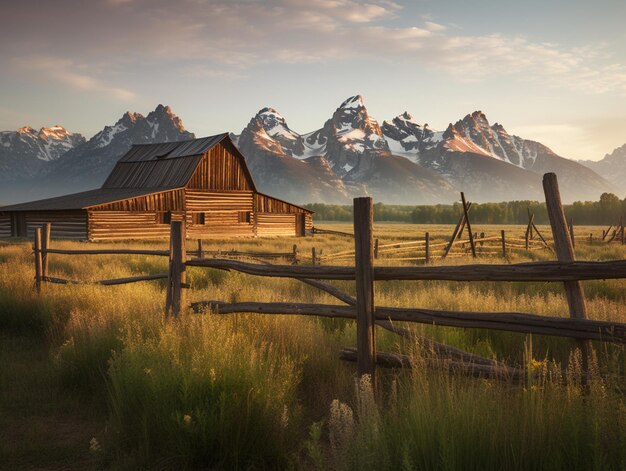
(376, 248)
(591, 238)
(200, 248)
(565, 253)
(571, 231)
(427, 248)
(364, 266)
(295, 254)
(38, 259)
(313, 257)
(45, 245)
(177, 275)
(503, 243)
(469, 227)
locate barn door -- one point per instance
(300, 225)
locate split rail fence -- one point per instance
(362, 307)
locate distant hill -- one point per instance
(612, 167)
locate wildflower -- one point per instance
(147, 371)
(187, 419)
(212, 375)
(94, 445)
(340, 424)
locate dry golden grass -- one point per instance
(170, 385)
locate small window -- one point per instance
(198, 218)
(164, 217)
(244, 216)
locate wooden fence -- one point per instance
(363, 309)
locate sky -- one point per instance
(549, 70)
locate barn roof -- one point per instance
(81, 200)
(166, 165)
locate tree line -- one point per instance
(607, 210)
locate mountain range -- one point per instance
(399, 162)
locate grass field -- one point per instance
(93, 377)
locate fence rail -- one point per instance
(362, 308)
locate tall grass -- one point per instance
(248, 391)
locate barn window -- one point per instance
(244, 216)
(164, 217)
(198, 218)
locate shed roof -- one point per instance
(82, 200)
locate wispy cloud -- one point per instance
(234, 36)
(72, 75)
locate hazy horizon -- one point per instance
(552, 73)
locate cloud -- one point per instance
(233, 36)
(68, 73)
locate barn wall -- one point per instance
(220, 224)
(119, 225)
(267, 204)
(64, 224)
(225, 213)
(220, 169)
(173, 200)
(5, 225)
(271, 224)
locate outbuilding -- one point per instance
(204, 182)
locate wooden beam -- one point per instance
(553, 271)
(177, 275)
(564, 247)
(45, 245)
(38, 264)
(364, 273)
(506, 321)
(162, 253)
(469, 226)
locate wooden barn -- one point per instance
(204, 182)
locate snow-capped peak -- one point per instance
(355, 101)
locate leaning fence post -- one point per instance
(571, 231)
(295, 254)
(38, 263)
(364, 266)
(427, 248)
(200, 248)
(565, 253)
(45, 245)
(469, 227)
(503, 243)
(177, 275)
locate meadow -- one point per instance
(94, 377)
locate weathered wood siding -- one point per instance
(173, 200)
(220, 169)
(119, 225)
(225, 213)
(218, 200)
(221, 224)
(65, 224)
(270, 224)
(308, 218)
(5, 225)
(267, 204)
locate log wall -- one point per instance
(270, 224)
(119, 225)
(173, 200)
(65, 224)
(5, 225)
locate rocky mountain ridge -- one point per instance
(399, 162)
